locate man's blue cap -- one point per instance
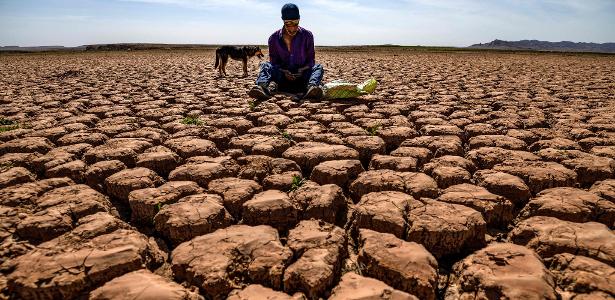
(290, 12)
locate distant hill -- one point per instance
(105, 47)
(144, 46)
(535, 45)
(39, 48)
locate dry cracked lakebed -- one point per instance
(467, 175)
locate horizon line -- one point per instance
(323, 45)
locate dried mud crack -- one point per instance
(466, 175)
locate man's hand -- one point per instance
(290, 76)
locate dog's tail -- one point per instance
(217, 59)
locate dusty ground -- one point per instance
(466, 175)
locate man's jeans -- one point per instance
(269, 73)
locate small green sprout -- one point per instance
(192, 120)
(8, 125)
(287, 136)
(373, 130)
(252, 105)
(298, 181)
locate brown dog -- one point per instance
(236, 53)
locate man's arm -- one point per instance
(274, 57)
(310, 52)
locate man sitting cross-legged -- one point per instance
(291, 67)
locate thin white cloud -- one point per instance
(337, 6)
(355, 8)
(75, 18)
(515, 6)
(58, 18)
(210, 4)
(576, 5)
(458, 6)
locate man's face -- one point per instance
(292, 26)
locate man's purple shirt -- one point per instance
(302, 50)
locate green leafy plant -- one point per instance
(252, 105)
(287, 136)
(192, 120)
(7, 125)
(8, 128)
(298, 181)
(158, 208)
(5, 166)
(4, 121)
(373, 130)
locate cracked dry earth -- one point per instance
(465, 176)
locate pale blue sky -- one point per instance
(333, 22)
